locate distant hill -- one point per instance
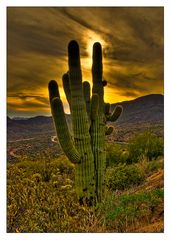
(139, 113)
(148, 108)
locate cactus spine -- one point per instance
(89, 115)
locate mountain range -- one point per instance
(144, 109)
(138, 114)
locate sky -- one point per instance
(132, 39)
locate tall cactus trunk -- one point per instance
(87, 148)
(98, 125)
(80, 124)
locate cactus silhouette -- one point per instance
(85, 147)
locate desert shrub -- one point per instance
(115, 154)
(63, 165)
(126, 212)
(154, 166)
(34, 205)
(123, 176)
(46, 167)
(146, 145)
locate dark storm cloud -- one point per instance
(77, 19)
(133, 83)
(28, 30)
(24, 97)
(128, 84)
(135, 35)
(37, 48)
(128, 81)
(27, 105)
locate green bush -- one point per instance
(130, 210)
(146, 145)
(63, 165)
(116, 154)
(154, 166)
(123, 176)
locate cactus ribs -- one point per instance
(89, 114)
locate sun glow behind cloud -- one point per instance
(89, 38)
(37, 52)
(92, 37)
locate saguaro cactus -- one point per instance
(89, 114)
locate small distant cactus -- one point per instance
(89, 114)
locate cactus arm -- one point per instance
(107, 108)
(66, 86)
(94, 106)
(75, 70)
(61, 124)
(80, 119)
(109, 130)
(115, 114)
(62, 131)
(53, 90)
(97, 70)
(86, 92)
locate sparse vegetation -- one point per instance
(116, 154)
(130, 212)
(146, 145)
(36, 205)
(124, 176)
(133, 198)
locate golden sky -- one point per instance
(132, 40)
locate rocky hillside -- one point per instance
(144, 109)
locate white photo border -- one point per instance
(167, 121)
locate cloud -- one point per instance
(37, 50)
(23, 97)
